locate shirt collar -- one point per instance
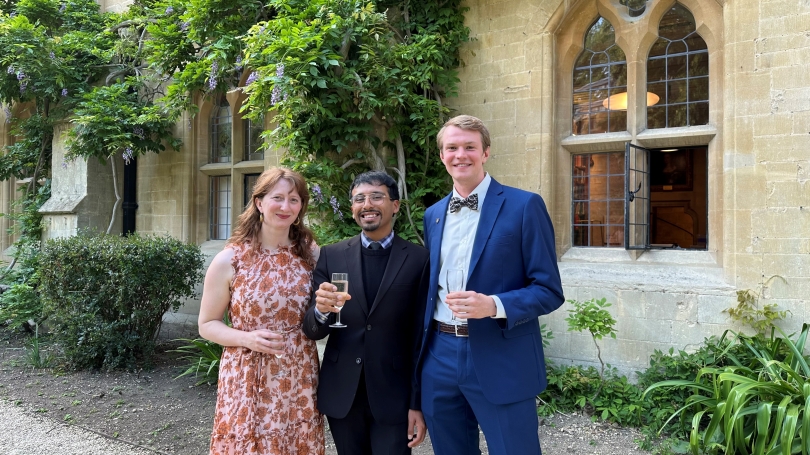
(385, 242)
(481, 190)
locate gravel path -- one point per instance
(27, 434)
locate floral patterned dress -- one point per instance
(266, 405)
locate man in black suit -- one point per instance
(367, 389)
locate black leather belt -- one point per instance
(458, 330)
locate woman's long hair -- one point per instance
(249, 226)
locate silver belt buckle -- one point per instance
(455, 327)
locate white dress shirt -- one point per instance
(457, 243)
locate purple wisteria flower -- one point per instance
(238, 65)
(275, 97)
(128, 155)
(169, 10)
(212, 79)
(317, 195)
(20, 76)
(336, 206)
(62, 7)
(138, 131)
(184, 26)
(52, 55)
(64, 92)
(252, 77)
(10, 69)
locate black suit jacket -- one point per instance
(382, 340)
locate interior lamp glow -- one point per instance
(618, 102)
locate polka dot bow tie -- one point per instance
(470, 201)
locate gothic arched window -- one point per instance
(600, 83)
(678, 72)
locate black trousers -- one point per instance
(359, 434)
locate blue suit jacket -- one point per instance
(513, 257)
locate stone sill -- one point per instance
(654, 270)
(686, 136)
(602, 142)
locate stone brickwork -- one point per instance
(82, 193)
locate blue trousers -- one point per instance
(454, 405)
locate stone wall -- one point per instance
(517, 78)
(83, 194)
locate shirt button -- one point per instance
(357, 361)
(368, 327)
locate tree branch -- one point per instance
(129, 23)
(403, 186)
(117, 196)
(345, 45)
(350, 162)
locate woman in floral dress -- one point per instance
(269, 370)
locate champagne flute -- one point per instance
(455, 283)
(278, 356)
(341, 281)
(276, 368)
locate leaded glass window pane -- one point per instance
(221, 132)
(598, 194)
(253, 139)
(600, 71)
(680, 59)
(220, 208)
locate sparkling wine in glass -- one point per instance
(455, 283)
(341, 282)
(278, 356)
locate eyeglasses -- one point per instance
(375, 198)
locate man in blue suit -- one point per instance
(481, 361)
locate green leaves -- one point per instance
(202, 359)
(592, 316)
(114, 118)
(106, 295)
(759, 405)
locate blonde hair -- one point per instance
(465, 122)
(249, 225)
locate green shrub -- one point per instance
(757, 403)
(105, 295)
(574, 389)
(592, 316)
(201, 358)
(20, 303)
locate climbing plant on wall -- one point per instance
(349, 85)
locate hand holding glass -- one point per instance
(455, 283)
(278, 356)
(341, 282)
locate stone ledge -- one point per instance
(62, 204)
(601, 142)
(645, 277)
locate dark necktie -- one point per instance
(470, 201)
(374, 246)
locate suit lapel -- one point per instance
(436, 227)
(489, 213)
(399, 253)
(355, 271)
